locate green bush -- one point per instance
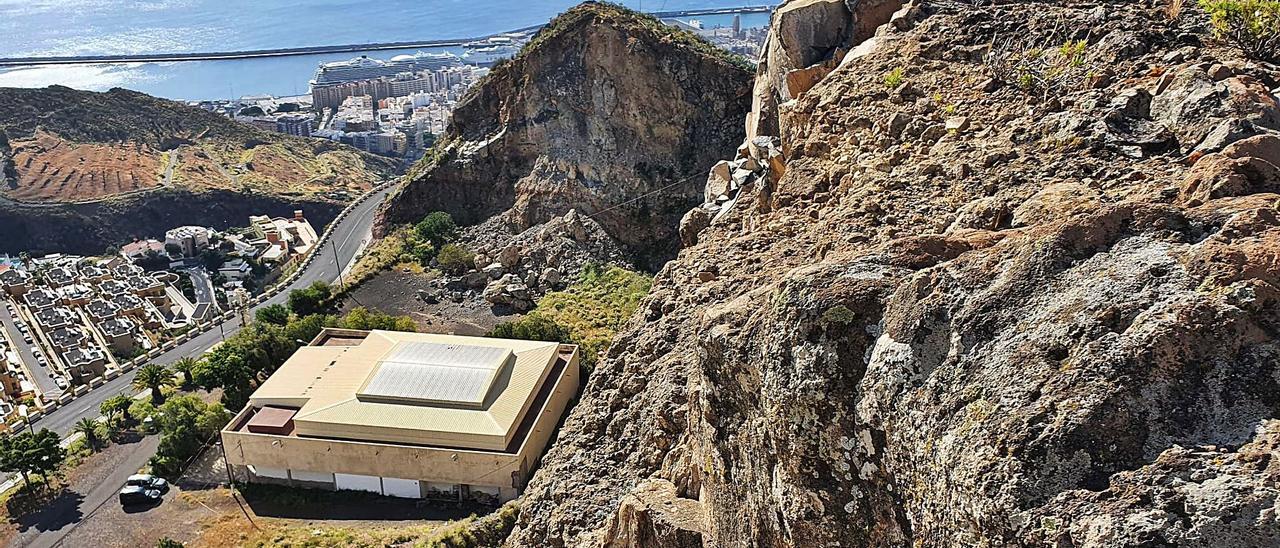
(1252, 25)
(277, 314)
(533, 327)
(455, 259)
(436, 228)
(588, 313)
(311, 300)
(186, 424)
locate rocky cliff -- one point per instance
(606, 111)
(996, 275)
(82, 170)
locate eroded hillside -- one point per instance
(606, 111)
(81, 170)
(999, 275)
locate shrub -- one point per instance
(588, 313)
(1252, 25)
(533, 327)
(894, 78)
(437, 228)
(455, 259)
(1042, 71)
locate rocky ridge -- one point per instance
(512, 273)
(606, 111)
(939, 303)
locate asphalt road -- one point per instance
(348, 239)
(202, 285)
(84, 500)
(39, 373)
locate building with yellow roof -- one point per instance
(411, 415)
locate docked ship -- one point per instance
(494, 48)
(366, 68)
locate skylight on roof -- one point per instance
(426, 373)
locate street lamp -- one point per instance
(25, 414)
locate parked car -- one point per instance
(133, 495)
(147, 481)
(61, 382)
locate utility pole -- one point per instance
(342, 286)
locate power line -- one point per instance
(645, 195)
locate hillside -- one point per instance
(95, 156)
(66, 146)
(1002, 275)
(605, 110)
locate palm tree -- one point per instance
(118, 403)
(153, 376)
(89, 428)
(186, 366)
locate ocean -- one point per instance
(82, 27)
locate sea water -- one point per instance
(112, 27)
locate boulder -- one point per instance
(475, 279)
(1265, 147)
(653, 514)
(718, 182)
(1220, 176)
(509, 257)
(551, 277)
(805, 33)
(693, 223)
(494, 270)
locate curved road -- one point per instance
(349, 237)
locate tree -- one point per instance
(455, 259)
(437, 227)
(155, 377)
(276, 313)
(228, 370)
(186, 424)
(117, 404)
(212, 259)
(88, 428)
(27, 453)
(166, 542)
(185, 365)
(305, 328)
(311, 300)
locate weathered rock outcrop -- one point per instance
(606, 111)
(965, 312)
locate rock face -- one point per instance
(1053, 324)
(606, 111)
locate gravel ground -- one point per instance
(395, 292)
(90, 490)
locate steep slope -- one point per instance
(76, 161)
(606, 111)
(1009, 277)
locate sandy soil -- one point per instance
(52, 169)
(395, 292)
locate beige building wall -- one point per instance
(509, 472)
